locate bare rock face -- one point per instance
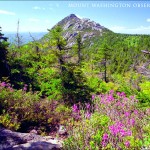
(72, 25)
(144, 69)
(27, 141)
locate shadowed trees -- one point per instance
(4, 67)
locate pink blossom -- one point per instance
(127, 114)
(10, 89)
(105, 139)
(75, 108)
(127, 144)
(123, 133)
(93, 97)
(111, 92)
(88, 105)
(132, 121)
(118, 103)
(122, 94)
(25, 87)
(110, 98)
(119, 128)
(136, 112)
(105, 136)
(76, 111)
(104, 143)
(132, 97)
(88, 115)
(118, 93)
(3, 84)
(125, 98)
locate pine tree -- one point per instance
(4, 67)
(106, 50)
(79, 47)
(59, 42)
(73, 88)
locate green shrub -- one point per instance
(87, 134)
(21, 110)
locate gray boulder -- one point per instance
(10, 140)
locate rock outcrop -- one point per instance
(72, 25)
(10, 140)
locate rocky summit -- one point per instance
(72, 25)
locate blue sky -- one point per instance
(38, 16)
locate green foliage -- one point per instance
(145, 87)
(87, 134)
(20, 110)
(123, 85)
(10, 122)
(5, 70)
(48, 70)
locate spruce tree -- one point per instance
(4, 67)
(79, 47)
(73, 88)
(106, 53)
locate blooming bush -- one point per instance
(117, 123)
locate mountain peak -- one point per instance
(72, 16)
(72, 25)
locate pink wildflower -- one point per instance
(132, 121)
(105, 136)
(75, 108)
(93, 97)
(127, 114)
(136, 112)
(88, 105)
(87, 115)
(3, 84)
(127, 144)
(105, 139)
(10, 89)
(25, 87)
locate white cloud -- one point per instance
(148, 20)
(38, 8)
(141, 28)
(4, 12)
(117, 28)
(33, 20)
(136, 30)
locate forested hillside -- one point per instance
(94, 82)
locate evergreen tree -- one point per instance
(59, 42)
(4, 67)
(73, 88)
(79, 47)
(105, 50)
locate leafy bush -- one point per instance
(117, 123)
(144, 94)
(21, 110)
(87, 134)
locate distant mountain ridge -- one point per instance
(25, 36)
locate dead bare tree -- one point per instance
(18, 37)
